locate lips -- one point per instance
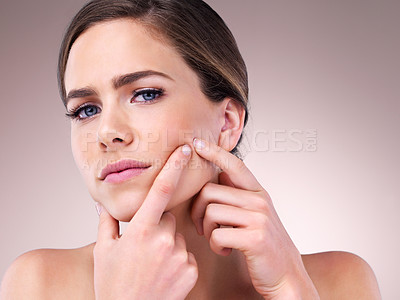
(121, 166)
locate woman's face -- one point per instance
(143, 102)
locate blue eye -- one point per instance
(89, 110)
(140, 96)
(83, 112)
(147, 95)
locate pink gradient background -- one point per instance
(330, 66)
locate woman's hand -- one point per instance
(250, 224)
(150, 260)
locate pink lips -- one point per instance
(122, 170)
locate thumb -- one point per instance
(108, 227)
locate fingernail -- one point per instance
(99, 208)
(186, 150)
(198, 144)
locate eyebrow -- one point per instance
(118, 82)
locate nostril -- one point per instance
(117, 140)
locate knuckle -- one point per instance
(141, 232)
(202, 200)
(181, 257)
(210, 209)
(262, 220)
(208, 187)
(261, 203)
(165, 188)
(206, 190)
(192, 273)
(258, 237)
(215, 237)
(165, 241)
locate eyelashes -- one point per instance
(142, 96)
(148, 95)
(74, 113)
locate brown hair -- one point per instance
(192, 27)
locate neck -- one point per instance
(219, 276)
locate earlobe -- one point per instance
(232, 124)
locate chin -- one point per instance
(124, 213)
(124, 205)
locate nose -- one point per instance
(114, 131)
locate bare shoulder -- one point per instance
(341, 275)
(45, 273)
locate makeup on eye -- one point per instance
(75, 112)
(146, 96)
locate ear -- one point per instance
(232, 122)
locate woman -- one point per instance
(157, 94)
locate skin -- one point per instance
(181, 113)
(176, 206)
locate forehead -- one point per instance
(122, 46)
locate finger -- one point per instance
(108, 227)
(163, 187)
(187, 281)
(221, 194)
(239, 175)
(223, 239)
(168, 223)
(225, 215)
(192, 259)
(180, 242)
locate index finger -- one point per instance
(238, 173)
(164, 186)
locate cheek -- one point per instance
(80, 146)
(198, 171)
(178, 129)
(195, 175)
(78, 152)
